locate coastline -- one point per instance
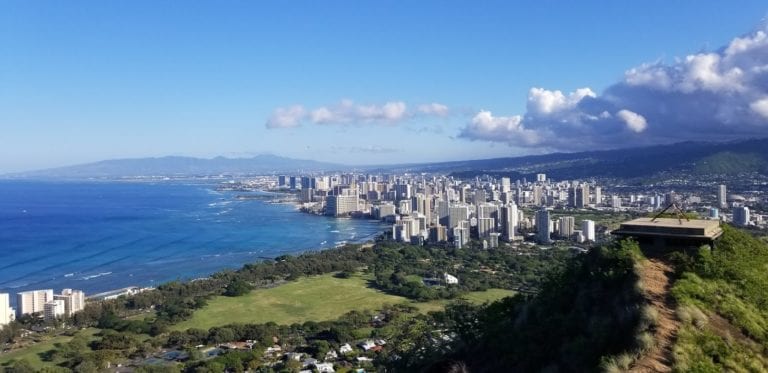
(232, 232)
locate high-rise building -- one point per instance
(33, 301)
(598, 195)
(722, 202)
(541, 177)
(582, 196)
(588, 230)
(508, 224)
(6, 312)
(616, 202)
(566, 226)
(505, 184)
(53, 309)
(741, 215)
(485, 226)
(339, 205)
(543, 226)
(438, 233)
(457, 214)
(536, 195)
(281, 180)
(74, 301)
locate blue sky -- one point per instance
(84, 81)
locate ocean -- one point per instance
(99, 236)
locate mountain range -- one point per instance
(180, 166)
(686, 157)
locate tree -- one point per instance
(237, 287)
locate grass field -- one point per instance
(315, 298)
(32, 354)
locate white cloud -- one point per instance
(286, 117)
(346, 112)
(654, 75)
(760, 107)
(433, 109)
(634, 121)
(485, 126)
(716, 95)
(747, 43)
(546, 102)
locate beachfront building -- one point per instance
(33, 301)
(53, 309)
(74, 301)
(6, 312)
(340, 205)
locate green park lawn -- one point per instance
(316, 298)
(32, 353)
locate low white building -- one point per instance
(345, 349)
(325, 367)
(449, 279)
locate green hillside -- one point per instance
(723, 306)
(729, 163)
(599, 314)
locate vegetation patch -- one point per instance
(725, 284)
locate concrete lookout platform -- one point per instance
(671, 232)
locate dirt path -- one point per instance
(656, 276)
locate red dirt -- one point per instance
(656, 277)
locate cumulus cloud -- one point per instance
(286, 117)
(634, 121)
(349, 113)
(433, 109)
(715, 95)
(485, 126)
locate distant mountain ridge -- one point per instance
(692, 157)
(180, 166)
(696, 158)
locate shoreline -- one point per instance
(200, 262)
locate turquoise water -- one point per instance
(100, 236)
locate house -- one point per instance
(294, 356)
(363, 359)
(345, 349)
(325, 368)
(450, 280)
(308, 362)
(380, 342)
(366, 345)
(331, 355)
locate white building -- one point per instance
(566, 226)
(485, 226)
(588, 230)
(53, 309)
(341, 205)
(74, 301)
(33, 301)
(450, 280)
(6, 312)
(722, 201)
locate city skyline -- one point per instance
(428, 82)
